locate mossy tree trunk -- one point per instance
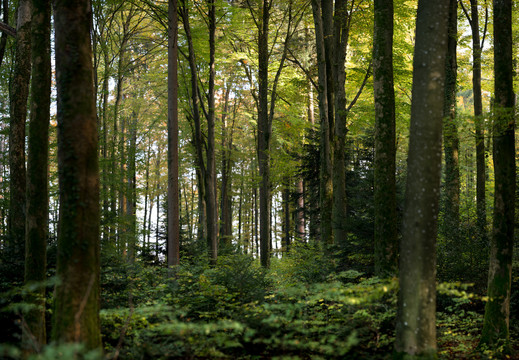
(497, 309)
(76, 311)
(416, 316)
(37, 185)
(386, 241)
(18, 111)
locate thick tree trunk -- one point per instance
(76, 312)
(34, 335)
(173, 194)
(416, 317)
(497, 309)
(386, 241)
(341, 21)
(451, 143)
(18, 110)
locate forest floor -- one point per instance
(301, 308)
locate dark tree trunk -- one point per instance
(207, 166)
(34, 335)
(264, 133)
(497, 309)
(341, 24)
(3, 38)
(173, 195)
(386, 241)
(19, 95)
(76, 312)
(325, 185)
(416, 317)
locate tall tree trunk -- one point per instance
(18, 110)
(325, 186)
(227, 145)
(451, 143)
(76, 312)
(341, 22)
(206, 167)
(264, 133)
(386, 240)
(210, 178)
(131, 196)
(416, 316)
(34, 335)
(497, 309)
(173, 194)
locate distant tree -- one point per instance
(386, 241)
(497, 310)
(477, 47)
(416, 316)
(76, 311)
(451, 141)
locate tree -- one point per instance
(451, 141)
(477, 48)
(19, 96)
(173, 200)
(497, 309)
(37, 182)
(76, 313)
(386, 241)
(416, 317)
(206, 168)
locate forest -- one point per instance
(258, 179)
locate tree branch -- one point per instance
(7, 29)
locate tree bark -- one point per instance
(497, 309)
(386, 240)
(173, 195)
(18, 110)
(416, 316)
(34, 335)
(76, 312)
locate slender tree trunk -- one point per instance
(478, 115)
(34, 335)
(386, 240)
(416, 316)
(210, 178)
(451, 143)
(173, 195)
(264, 134)
(497, 309)
(19, 95)
(131, 196)
(76, 313)
(325, 186)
